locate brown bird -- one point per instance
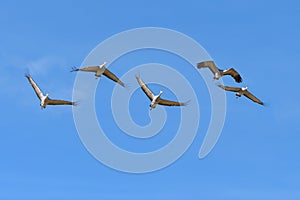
(218, 73)
(99, 70)
(45, 100)
(242, 91)
(155, 99)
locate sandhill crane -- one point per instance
(99, 70)
(242, 91)
(155, 99)
(44, 99)
(218, 73)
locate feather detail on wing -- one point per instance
(144, 87)
(232, 89)
(59, 102)
(232, 72)
(113, 77)
(37, 90)
(209, 64)
(252, 97)
(86, 69)
(169, 103)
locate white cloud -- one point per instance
(42, 65)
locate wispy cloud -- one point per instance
(43, 68)
(43, 65)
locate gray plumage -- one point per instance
(218, 73)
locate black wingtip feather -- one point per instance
(238, 79)
(74, 69)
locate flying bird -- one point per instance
(242, 91)
(99, 70)
(155, 99)
(45, 100)
(218, 73)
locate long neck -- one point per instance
(160, 92)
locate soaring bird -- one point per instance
(218, 73)
(45, 100)
(155, 99)
(242, 91)
(99, 70)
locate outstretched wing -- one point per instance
(169, 103)
(59, 102)
(232, 89)
(252, 97)
(232, 72)
(36, 88)
(86, 69)
(209, 64)
(144, 87)
(113, 77)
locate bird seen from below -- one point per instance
(218, 73)
(242, 91)
(155, 99)
(99, 70)
(44, 99)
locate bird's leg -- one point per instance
(97, 76)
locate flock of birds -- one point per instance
(155, 99)
(218, 73)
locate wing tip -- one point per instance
(221, 86)
(139, 80)
(122, 84)
(265, 104)
(239, 79)
(127, 86)
(74, 69)
(27, 75)
(204, 64)
(201, 65)
(138, 76)
(186, 103)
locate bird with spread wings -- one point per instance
(99, 70)
(44, 99)
(242, 91)
(218, 73)
(155, 99)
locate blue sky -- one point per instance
(256, 157)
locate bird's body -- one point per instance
(218, 73)
(156, 99)
(99, 70)
(242, 91)
(44, 99)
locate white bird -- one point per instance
(45, 100)
(155, 99)
(99, 70)
(242, 91)
(218, 73)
